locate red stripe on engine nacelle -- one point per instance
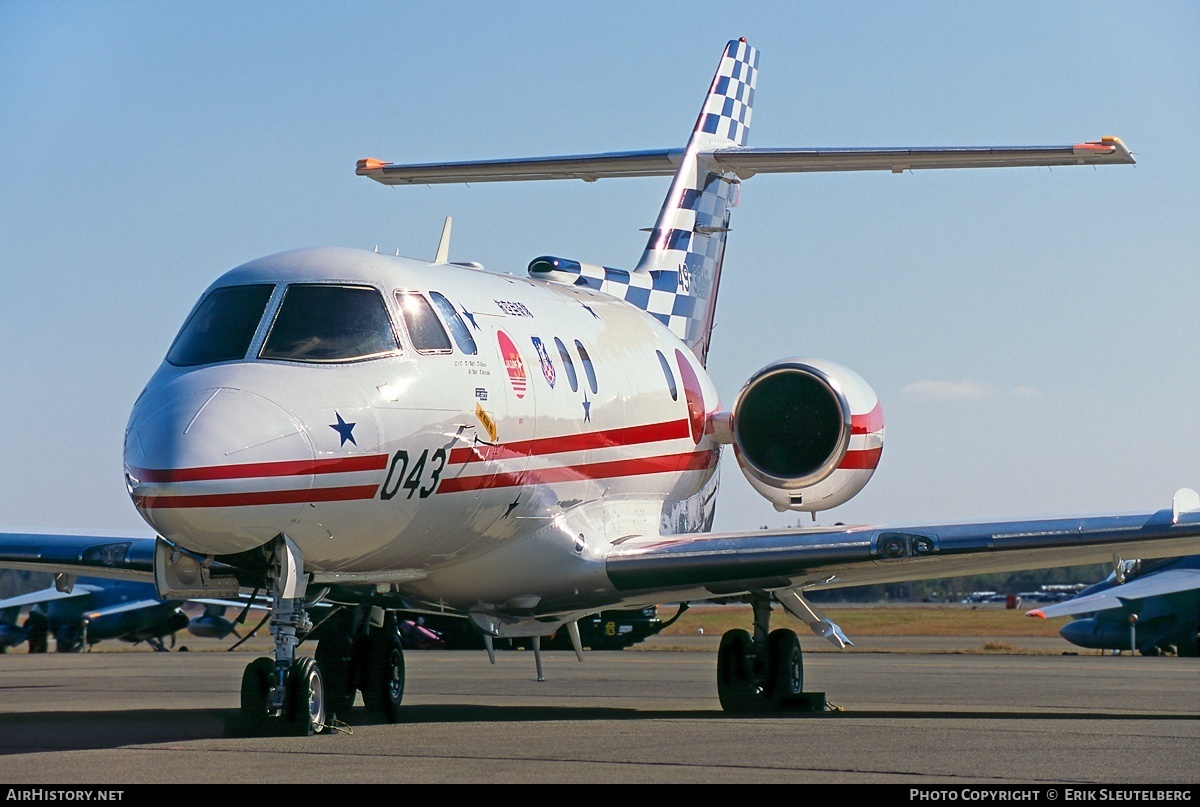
(870, 422)
(628, 436)
(861, 460)
(333, 465)
(251, 499)
(692, 461)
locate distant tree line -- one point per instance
(954, 589)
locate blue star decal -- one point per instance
(471, 319)
(587, 409)
(345, 430)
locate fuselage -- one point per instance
(396, 419)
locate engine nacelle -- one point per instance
(806, 433)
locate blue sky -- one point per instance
(1031, 332)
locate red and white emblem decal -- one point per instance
(513, 363)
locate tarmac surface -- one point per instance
(900, 711)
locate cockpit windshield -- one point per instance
(1127, 570)
(330, 323)
(222, 326)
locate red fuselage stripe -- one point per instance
(258, 498)
(691, 461)
(598, 470)
(631, 435)
(333, 465)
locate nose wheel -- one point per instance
(305, 709)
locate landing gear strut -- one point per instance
(763, 672)
(287, 689)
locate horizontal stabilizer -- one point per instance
(746, 162)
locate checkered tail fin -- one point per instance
(684, 253)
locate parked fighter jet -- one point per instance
(1150, 607)
(97, 609)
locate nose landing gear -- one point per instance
(358, 649)
(285, 693)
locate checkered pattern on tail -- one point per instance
(681, 266)
(676, 279)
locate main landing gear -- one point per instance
(358, 649)
(763, 671)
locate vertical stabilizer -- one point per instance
(686, 247)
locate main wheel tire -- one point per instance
(306, 705)
(383, 688)
(785, 667)
(736, 688)
(256, 683)
(335, 654)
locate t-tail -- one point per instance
(687, 245)
(677, 278)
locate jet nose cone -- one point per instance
(217, 470)
(1081, 632)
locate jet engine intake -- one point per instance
(807, 433)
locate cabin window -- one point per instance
(424, 328)
(222, 326)
(666, 368)
(330, 323)
(568, 365)
(458, 328)
(587, 365)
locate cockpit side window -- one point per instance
(568, 365)
(424, 328)
(666, 368)
(330, 323)
(222, 326)
(458, 328)
(587, 365)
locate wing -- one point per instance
(784, 562)
(125, 607)
(746, 162)
(1156, 584)
(46, 595)
(728, 564)
(117, 557)
(258, 603)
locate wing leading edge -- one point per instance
(746, 162)
(123, 558)
(734, 563)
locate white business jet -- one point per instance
(365, 437)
